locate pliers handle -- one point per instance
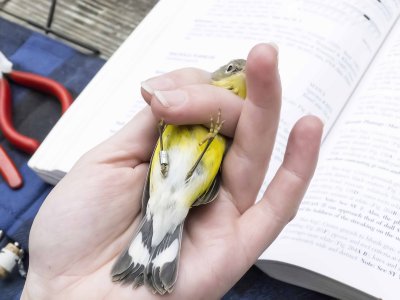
(9, 171)
(37, 82)
(20, 141)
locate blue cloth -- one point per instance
(35, 114)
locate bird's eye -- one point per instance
(229, 68)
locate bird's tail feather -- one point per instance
(129, 267)
(157, 266)
(162, 270)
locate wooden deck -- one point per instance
(104, 24)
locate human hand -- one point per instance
(91, 215)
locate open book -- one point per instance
(340, 60)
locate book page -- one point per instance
(325, 46)
(349, 222)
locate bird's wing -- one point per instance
(210, 194)
(146, 187)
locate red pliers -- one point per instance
(46, 85)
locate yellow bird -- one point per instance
(183, 172)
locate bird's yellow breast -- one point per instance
(182, 143)
(235, 83)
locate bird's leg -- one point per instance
(163, 154)
(214, 130)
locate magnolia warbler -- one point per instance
(183, 172)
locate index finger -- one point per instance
(173, 80)
(135, 142)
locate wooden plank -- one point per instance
(104, 24)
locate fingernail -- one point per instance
(147, 87)
(170, 98)
(157, 83)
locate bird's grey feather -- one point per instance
(162, 279)
(146, 188)
(125, 269)
(232, 67)
(211, 193)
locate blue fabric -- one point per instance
(41, 56)
(35, 114)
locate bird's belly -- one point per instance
(182, 144)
